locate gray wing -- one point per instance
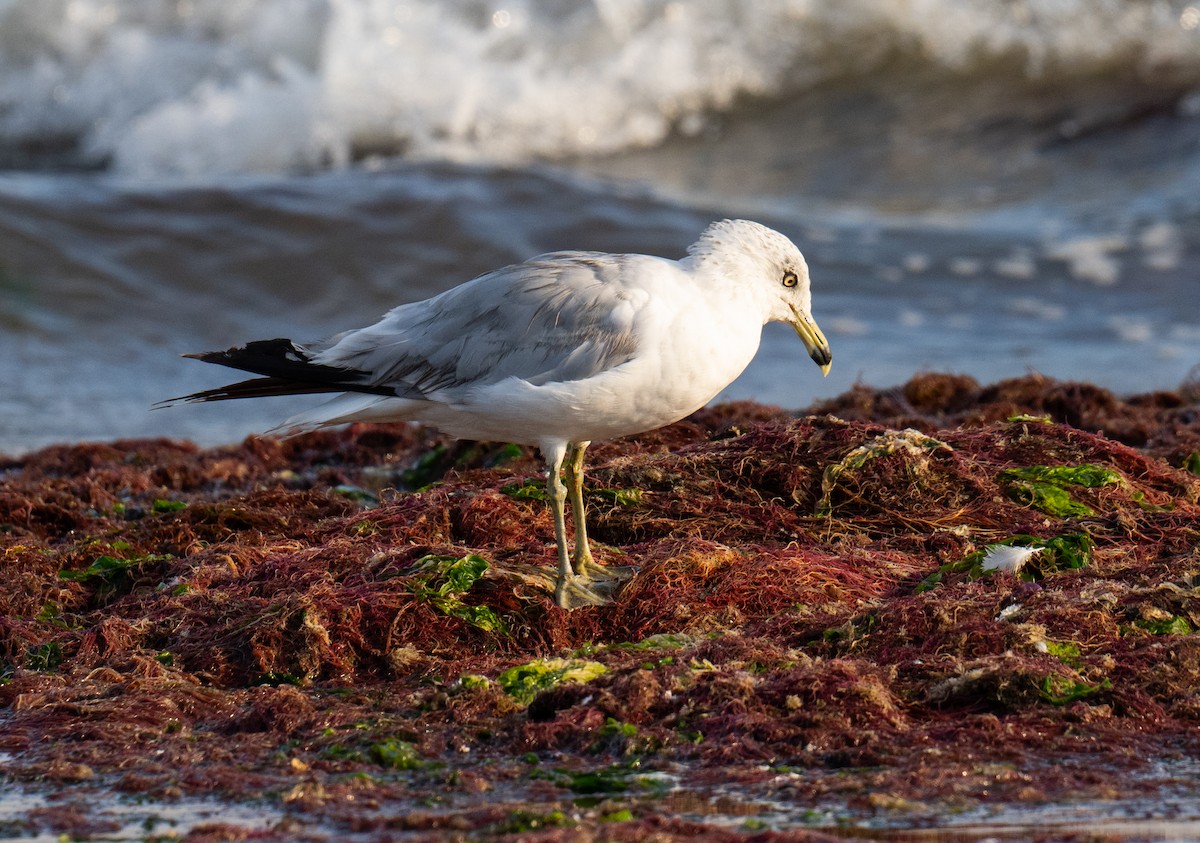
(558, 317)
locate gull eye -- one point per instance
(790, 279)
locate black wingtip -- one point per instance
(275, 357)
(252, 388)
(286, 368)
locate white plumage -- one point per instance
(558, 351)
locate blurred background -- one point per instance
(987, 187)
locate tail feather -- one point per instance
(254, 388)
(287, 369)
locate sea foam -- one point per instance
(215, 86)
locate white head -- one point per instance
(756, 255)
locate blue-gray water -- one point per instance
(979, 187)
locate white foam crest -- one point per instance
(519, 82)
(1070, 35)
(257, 124)
(201, 86)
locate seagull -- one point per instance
(557, 352)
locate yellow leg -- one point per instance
(557, 493)
(583, 553)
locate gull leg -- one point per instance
(575, 584)
(583, 553)
(557, 493)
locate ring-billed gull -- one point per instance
(558, 351)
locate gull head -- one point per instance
(769, 268)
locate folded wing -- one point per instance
(559, 317)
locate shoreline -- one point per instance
(813, 642)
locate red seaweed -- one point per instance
(286, 621)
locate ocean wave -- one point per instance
(202, 87)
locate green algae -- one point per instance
(658, 641)
(533, 489)
(441, 581)
(525, 681)
(615, 728)
(275, 678)
(51, 613)
(620, 497)
(1047, 487)
(1062, 690)
(396, 754)
(1066, 652)
(390, 753)
(599, 786)
(1069, 551)
(424, 470)
(596, 782)
(44, 658)
(523, 822)
(1191, 463)
(529, 490)
(364, 528)
(617, 737)
(610, 780)
(111, 575)
(1173, 625)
